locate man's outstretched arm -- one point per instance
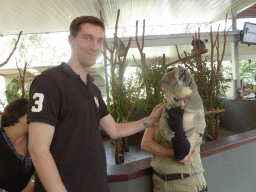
(118, 130)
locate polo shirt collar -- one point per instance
(66, 68)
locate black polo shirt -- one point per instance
(59, 97)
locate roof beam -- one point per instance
(175, 39)
(242, 5)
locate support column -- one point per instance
(235, 58)
(106, 72)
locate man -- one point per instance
(64, 115)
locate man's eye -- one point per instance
(100, 41)
(87, 38)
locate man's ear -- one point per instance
(71, 40)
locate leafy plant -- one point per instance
(16, 92)
(248, 70)
(126, 98)
(220, 85)
(151, 76)
(134, 95)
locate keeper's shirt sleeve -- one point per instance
(44, 100)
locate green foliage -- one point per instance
(152, 93)
(220, 86)
(16, 92)
(248, 70)
(125, 97)
(134, 90)
(121, 110)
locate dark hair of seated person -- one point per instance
(16, 109)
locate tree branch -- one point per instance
(14, 48)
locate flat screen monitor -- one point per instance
(249, 33)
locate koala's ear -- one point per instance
(184, 76)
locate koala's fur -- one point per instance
(179, 84)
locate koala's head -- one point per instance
(178, 82)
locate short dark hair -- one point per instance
(75, 26)
(12, 112)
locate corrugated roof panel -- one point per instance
(37, 16)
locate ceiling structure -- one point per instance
(40, 16)
(47, 16)
(247, 13)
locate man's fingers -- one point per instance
(158, 112)
(160, 109)
(161, 106)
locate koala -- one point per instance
(178, 84)
(196, 47)
(120, 48)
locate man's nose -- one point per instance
(93, 45)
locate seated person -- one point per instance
(251, 90)
(16, 168)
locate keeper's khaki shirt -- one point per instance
(167, 165)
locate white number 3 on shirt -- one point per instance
(38, 102)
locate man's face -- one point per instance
(87, 45)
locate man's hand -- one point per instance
(158, 112)
(152, 119)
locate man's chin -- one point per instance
(92, 61)
(89, 63)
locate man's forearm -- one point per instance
(126, 129)
(117, 130)
(47, 171)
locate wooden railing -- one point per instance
(141, 168)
